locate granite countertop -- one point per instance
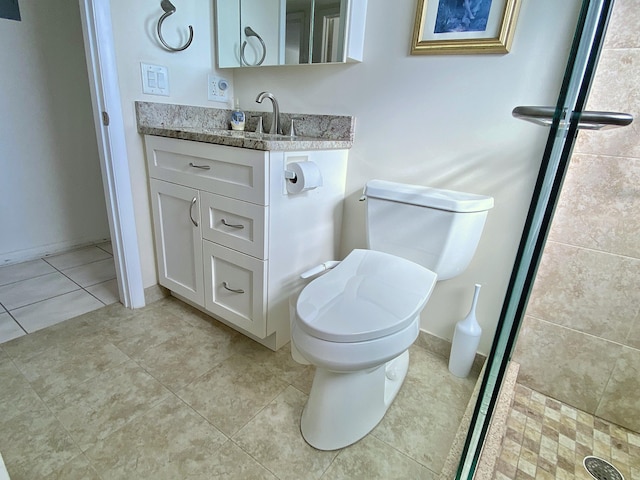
(211, 125)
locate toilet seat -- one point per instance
(368, 296)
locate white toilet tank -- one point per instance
(439, 229)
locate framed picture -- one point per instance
(9, 9)
(464, 26)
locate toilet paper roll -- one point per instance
(307, 176)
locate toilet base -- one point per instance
(344, 406)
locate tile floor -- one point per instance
(164, 392)
(547, 439)
(40, 293)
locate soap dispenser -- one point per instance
(237, 117)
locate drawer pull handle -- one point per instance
(193, 202)
(201, 167)
(234, 290)
(224, 222)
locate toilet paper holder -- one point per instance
(289, 175)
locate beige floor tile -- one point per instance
(280, 363)
(70, 332)
(34, 290)
(273, 438)
(92, 410)
(60, 367)
(425, 415)
(170, 441)
(34, 444)
(55, 310)
(372, 459)
(433, 374)
(420, 426)
(92, 273)
(97, 391)
(16, 394)
(9, 329)
(232, 393)
(141, 330)
(75, 258)
(24, 271)
(181, 359)
(77, 469)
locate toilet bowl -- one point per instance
(355, 324)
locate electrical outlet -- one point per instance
(217, 89)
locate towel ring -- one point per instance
(250, 32)
(169, 9)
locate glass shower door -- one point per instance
(564, 120)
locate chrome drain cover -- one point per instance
(601, 469)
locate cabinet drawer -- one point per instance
(232, 172)
(234, 224)
(235, 287)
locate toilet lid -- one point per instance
(367, 296)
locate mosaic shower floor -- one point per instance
(547, 439)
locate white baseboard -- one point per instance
(19, 256)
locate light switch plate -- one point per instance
(217, 88)
(155, 79)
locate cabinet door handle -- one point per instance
(193, 202)
(224, 222)
(234, 290)
(201, 167)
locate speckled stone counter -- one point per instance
(211, 125)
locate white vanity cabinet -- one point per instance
(230, 239)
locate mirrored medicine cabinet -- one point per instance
(252, 33)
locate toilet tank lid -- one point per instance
(438, 198)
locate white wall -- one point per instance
(443, 121)
(134, 30)
(51, 194)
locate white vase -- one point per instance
(466, 339)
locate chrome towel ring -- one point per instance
(250, 32)
(169, 9)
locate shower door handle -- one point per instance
(586, 120)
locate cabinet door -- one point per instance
(178, 236)
(235, 287)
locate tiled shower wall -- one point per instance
(580, 342)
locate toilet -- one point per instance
(356, 322)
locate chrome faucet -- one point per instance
(275, 122)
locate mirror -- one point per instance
(253, 33)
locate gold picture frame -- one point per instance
(444, 27)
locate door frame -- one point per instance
(114, 165)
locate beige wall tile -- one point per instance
(619, 34)
(615, 88)
(619, 403)
(564, 364)
(586, 290)
(599, 203)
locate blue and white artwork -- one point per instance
(9, 9)
(462, 16)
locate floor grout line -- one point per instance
(47, 259)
